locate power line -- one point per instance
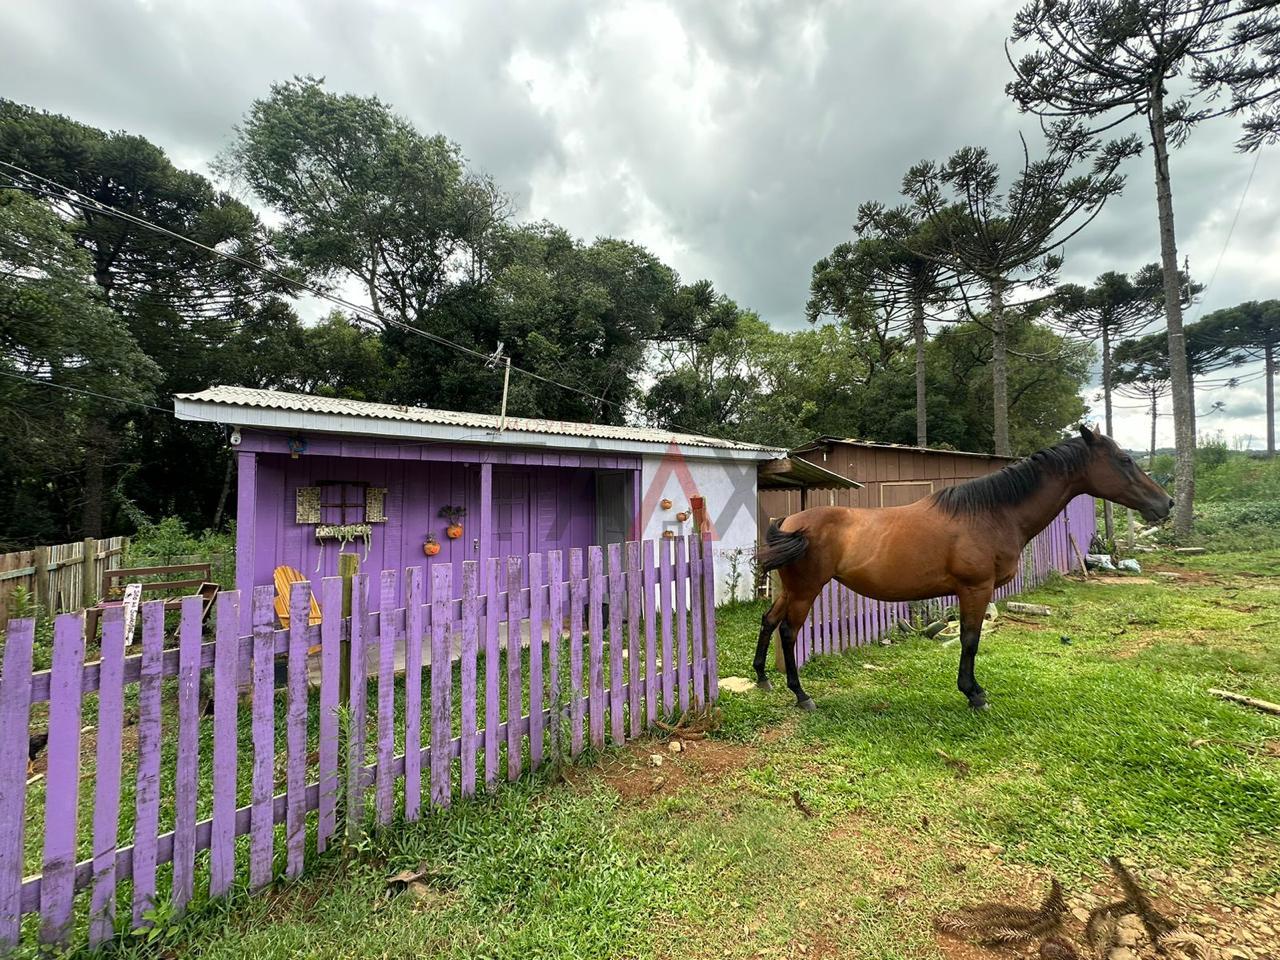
(77, 199)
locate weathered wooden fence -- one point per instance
(578, 657)
(58, 577)
(842, 619)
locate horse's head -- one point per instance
(1111, 474)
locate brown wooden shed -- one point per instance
(888, 474)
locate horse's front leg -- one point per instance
(973, 607)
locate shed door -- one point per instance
(510, 514)
(901, 492)
(614, 506)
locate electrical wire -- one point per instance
(373, 317)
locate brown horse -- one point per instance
(964, 540)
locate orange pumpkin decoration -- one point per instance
(682, 516)
(431, 546)
(453, 517)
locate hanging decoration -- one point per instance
(431, 546)
(453, 518)
(307, 504)
(375, 499)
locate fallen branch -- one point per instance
(1266, 706)
(1035, 609)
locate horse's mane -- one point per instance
(1015, 482)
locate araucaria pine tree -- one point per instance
(1174, 64)
(1002, 240)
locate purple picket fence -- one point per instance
(108, 857)
(842, 619)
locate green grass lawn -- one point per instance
(1101, 740)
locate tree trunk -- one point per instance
(1151, 460)
(94, 478)
(1184, 438)
(919, 332)
(999, 372)
(1269, 375)
(1108, 512)
(226, 491)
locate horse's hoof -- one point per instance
(807, 705)
(979, 705)
(764, 685)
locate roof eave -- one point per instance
(268, 418)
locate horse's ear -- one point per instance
(1089, 435)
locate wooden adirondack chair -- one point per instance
(285, 578)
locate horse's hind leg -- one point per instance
(768, 623)
(796, 611)
(973, 607)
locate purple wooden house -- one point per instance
(319, 476)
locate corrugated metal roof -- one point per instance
(306, 403)
(793, 473)
(910, 448)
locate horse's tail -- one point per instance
(781, 549)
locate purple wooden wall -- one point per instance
(534, 509)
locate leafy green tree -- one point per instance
(180, 303)
(885, 283)
(1142, 371)
(1248, 332)
(56, 328)
(586, 316)
(1043, 395)
(1174, 63)
(365, 196)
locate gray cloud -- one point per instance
(735, 139)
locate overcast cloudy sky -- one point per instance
(735, 139)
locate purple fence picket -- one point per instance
(595, 640)
(441, 683)
(413, 639)
(383, 777)
(62, 790)
(695, 617)
(709, 623)
(681, 604)
(515, 612)
(632, 590)
(537, 602)
(185, 788)
(616, 644)
(106, 797)
(576, 704)
(470, 635)
(491, 666)
(648, 578)
(665, 590)
(555, 611)
(295, 830)
(147, 791)
(330, 668)
(223, 829)
(262, 814)
(595, 645)
(356, 706)
(15, 714)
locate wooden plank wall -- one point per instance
(55, 574)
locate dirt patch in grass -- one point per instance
(649, 768)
